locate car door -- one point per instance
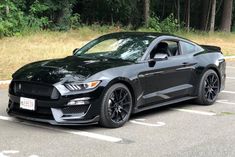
(168, 79)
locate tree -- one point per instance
(204, 14)
(213, 10)
(146, 12)
(187, 14)
(226, 19)
(178, 11)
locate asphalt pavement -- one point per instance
(179, 130)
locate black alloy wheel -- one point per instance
(116, 106)
(208, 88)
(211, 87)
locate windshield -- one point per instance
(117, 47)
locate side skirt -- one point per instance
(136, 110)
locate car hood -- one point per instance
(67, 69)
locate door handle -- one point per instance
(185, 63)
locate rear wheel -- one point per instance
(208, 88)
(116, 106)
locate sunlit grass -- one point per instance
(224, 40)
(18, 51)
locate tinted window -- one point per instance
(166, 47)
(187, 48)
(173, 47)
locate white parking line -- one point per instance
(225, 102)
(10, 151)
(229, 92)
(230, 67)
(231, 78)
(77, 132)
(96, 136)
(229, 57)
(140, 122)
(5, 153)
(5, 82)
(195, 111)
(6, 118)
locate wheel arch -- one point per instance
(209, 67)
(200, 87)
(213, 67)
(127, 83)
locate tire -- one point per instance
(208, 88)
(116, 106)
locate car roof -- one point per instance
(155, 34)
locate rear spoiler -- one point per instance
(211, 48)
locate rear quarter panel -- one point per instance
(210, 60)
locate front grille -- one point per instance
(40, 112)
(35, 90)
(81, 109)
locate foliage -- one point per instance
(20, 16)
(154, 24)
(122, 12)
(11, 19)
(168, 25)
(75, 21)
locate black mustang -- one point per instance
(114, 76)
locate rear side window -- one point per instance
(187, 48)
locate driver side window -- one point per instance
(168, 47)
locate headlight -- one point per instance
(82, 86)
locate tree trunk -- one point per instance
(146, 12)
(178, 11)
(227, 16)
(187, 18)
(204, 15)
(163, 9)
(213, 9)
(208, 14)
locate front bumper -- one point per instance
(56, 112)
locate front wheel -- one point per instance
(208, 88)
(116, 106)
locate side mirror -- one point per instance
(157, 57)
(75, 50)
(160, 57)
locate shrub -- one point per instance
(75, 21)
(168, 25)
(154, 24)
(11, 21)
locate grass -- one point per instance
(18, 51)
(223, 40)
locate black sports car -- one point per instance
(114, 76)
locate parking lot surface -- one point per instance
(183, 129)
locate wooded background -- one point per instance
(17, 16)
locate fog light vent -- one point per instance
(79, 101)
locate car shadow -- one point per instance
(161, 110)
(140, 115)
